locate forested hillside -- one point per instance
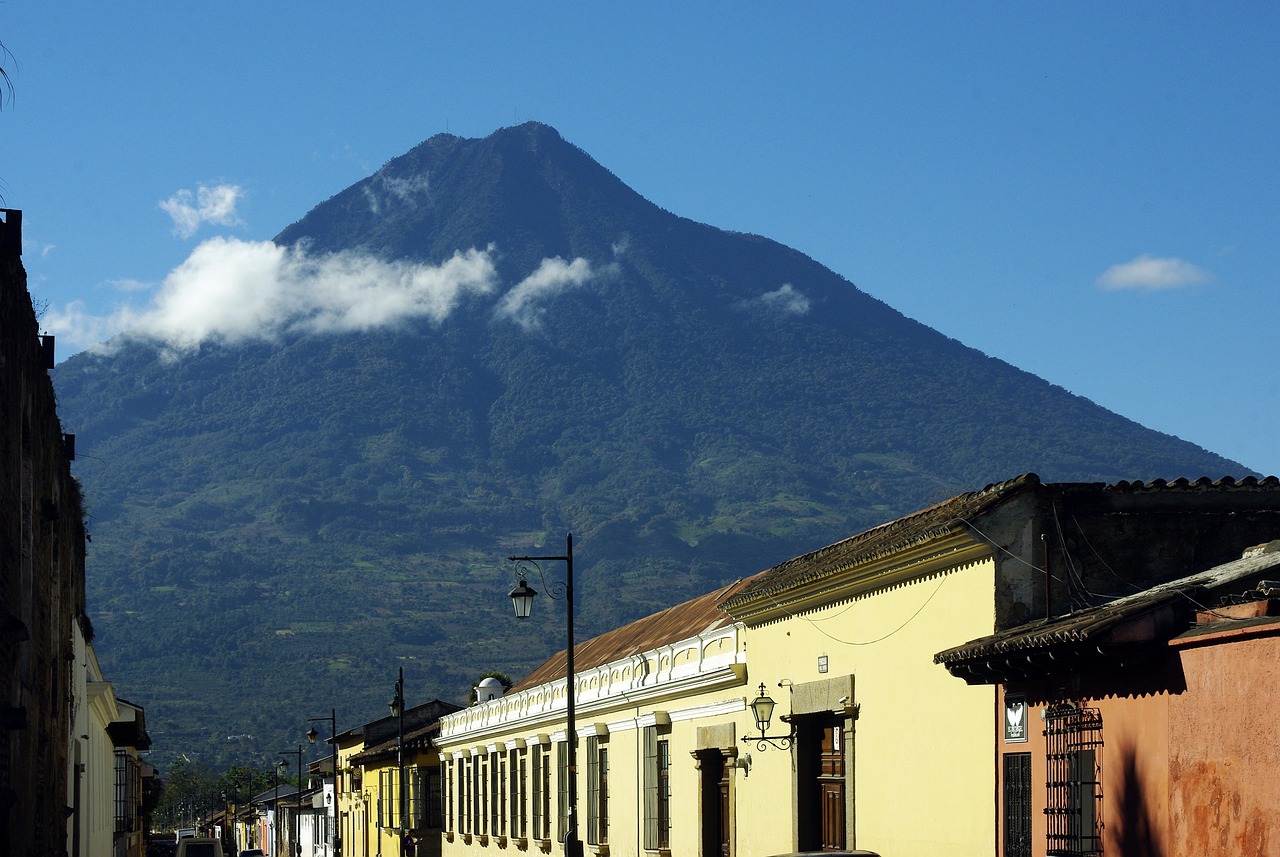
(282, 520)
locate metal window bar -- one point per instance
(515, 799)
(432, 816)
(593, 790)
(1017, 805)
(562, 790)
(1073, 756)
(539, 794)
(122, 792)
(651, 788)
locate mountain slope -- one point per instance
(280, 522)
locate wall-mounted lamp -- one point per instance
(762, 709)
(743, 763)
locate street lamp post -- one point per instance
(275, 811)
(296, 846)
(522, 597)
(312, 735)
(397, 710)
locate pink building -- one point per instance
(1142, 726)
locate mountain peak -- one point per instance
(523, 189)
(692, 404)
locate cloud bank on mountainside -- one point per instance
(230, 291)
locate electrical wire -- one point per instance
(836, 639)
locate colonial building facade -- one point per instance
(1138, 726)
(871, 744)
(70, 777)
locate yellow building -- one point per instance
(870, 744)
(649, 695)
(373, 813)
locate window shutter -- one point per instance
(651, 788)
(538, 830)
(593, 790)
(562, 788)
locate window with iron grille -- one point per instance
(425, 797)
(413, 799)
(128, 792)
(541, 792)
(1017, 805)
(562, 790)
(446, 795)
(1073, 756)
(498, 794)
(597, 791)
(480, 793)
(388, 798)
(465, 794)
(517, 763)
(657, 789)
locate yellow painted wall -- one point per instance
(924, 775)
(623, 721)
(923, 760)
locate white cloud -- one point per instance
(231, 291)
(785, 299)
(1150, 273)
(524, 303)
(216, 205)
(77, 329)
(395, 191)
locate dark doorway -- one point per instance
(714, 771)
(820, 783)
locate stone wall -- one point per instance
(42, 542)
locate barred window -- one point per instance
(480, 793)
(562, 790)
(541, 792)
(446, 795)
(517, 771)
(497, 794)
(388, 798)
(128, 793)
(1073, 745)
(424, 797)
(657, 789)
(464, 794)
(597, 791)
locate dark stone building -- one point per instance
(42, 591)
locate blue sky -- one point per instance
(1089, 191)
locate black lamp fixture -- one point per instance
(762, 709)
(522, 599)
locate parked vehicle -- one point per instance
(199, 846)
(252, 852)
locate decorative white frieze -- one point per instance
(696, 665)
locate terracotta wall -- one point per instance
(1224, 765)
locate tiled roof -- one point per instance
(680, 622)
(1095, 623)
(884, 540)
(415, 737)
(953, 516)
